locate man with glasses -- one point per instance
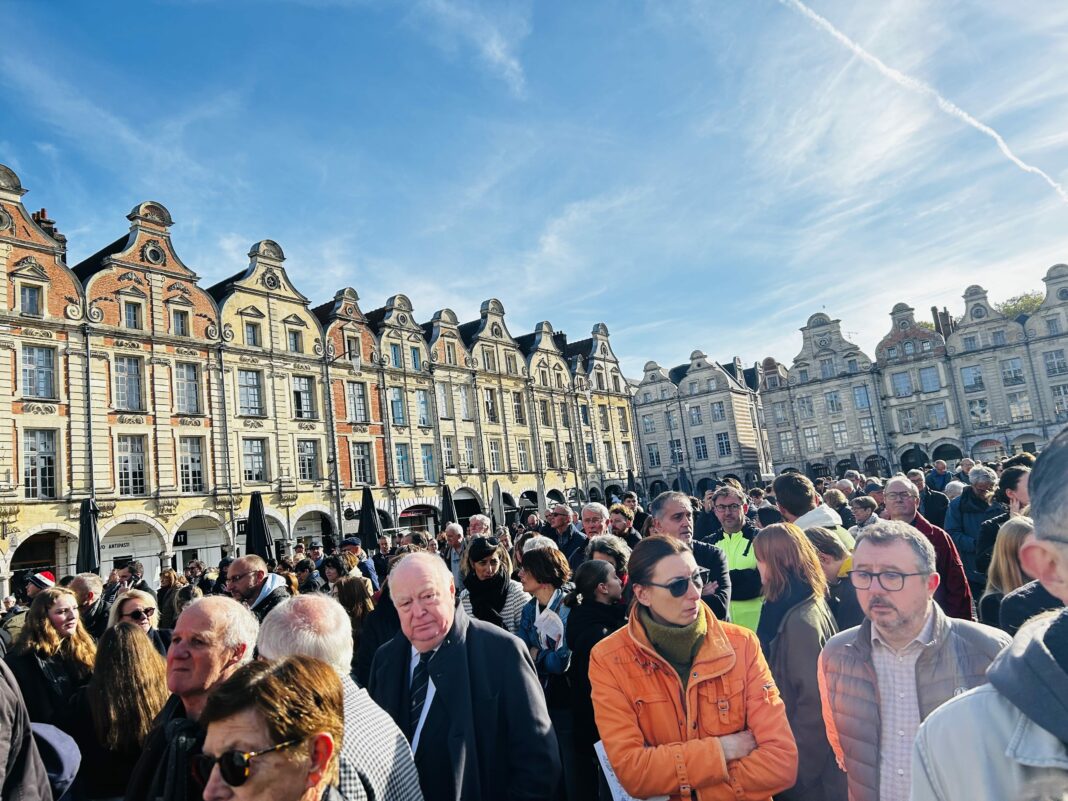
(594, 520)
(673, 517)
(567, 537)
(878, 681)
(249, 581)
(735, 538)
(954, 594)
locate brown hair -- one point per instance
(826, 542)
(352, 594)
(834, 498)
(39, 636)
(128, 688)
(622, 510)
(787, 553)
(794, 493)
(547, 566)
(297, 697)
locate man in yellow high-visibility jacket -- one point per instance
(736, 539)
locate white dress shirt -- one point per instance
(430, 692)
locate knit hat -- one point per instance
(45, 579)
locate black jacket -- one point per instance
(22, 772)
(314, 583)
(161, 639)
(933, 505)
(706, 526)
(988, 536)
(48, 685)
(1024, 603)
(488, 720)
(164, 770)
(712, 558)
(842, 598)
(95, 619)
(587, 624)
(269, 602)
(103, 773)
(380, 626)
(745, 583)
(848, 518)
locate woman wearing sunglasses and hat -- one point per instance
(139, 608)
(684, 703)
(489, 592)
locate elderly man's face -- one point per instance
(477, 528)
(424, 601)
(676, 520)
(593, 525)
(918, 480)
(197, 659)
(901, 500)
(966, 465)
(560, 518)
(454, 538)
(940, 467)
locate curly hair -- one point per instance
(39, 636)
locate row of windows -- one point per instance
(700, 450)
(788, 443)
(717, 413)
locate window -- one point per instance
(891, 352)
(1019, 406)
(545, 412)
(489, 400)
(1053, 326)
(779, 411)
(867, 429)
(972, 379)
(38, 372)
(602, 415)
(902, 383)
(39, 463)
(695, 415)
(191, 464)
(558, 376)
(723, 444)
(1060, 401)
(303, 399)
(430, 475)
(1055, 363)
(250, 392)
(802, 375)
(510, 364)
(565, 416)
(840, 434)
(187, 388)
(861, 399)
(584, 413)
(700, 448)
(361, 463)
(590, 457)
(804, 407)
(128, 384)
(851, 365)
(906, 420)
(834, 402)
(648, 425)
(357, 392)
(672, 420)
(495, 455)
(609, 456)
(929, 380)
(675, 447)
(450, 353)
(523, 448)
(615, 382)
(693, 387)
(517, 409)
(352, 350)
(465, 402)
(647, 396)
(826, 368)
(296, 342)
(997, 337)
(936, 415)
(569, 453)
(308, 459)
(404, 464)
(30, 300)
(971, 343)
(422, 406)
(978, 411)
(131, 315)
(600, 379)
(710, 385)
(131, 465)
(550, 456)
(812, 439)
(787, 443)
(252, 335)
(925, 346)
(417, 362)
(654, 454)
(544, 375)
(624, 425)
(396, 406)
(396, 357)
(444, 400)
(254, 459)
(1012, 372)
(448, 452)
(469, 452)
(909, 348)
(773, 382)
(180, 323)
(718, 412)
(489, 360)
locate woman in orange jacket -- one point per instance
(686, 705)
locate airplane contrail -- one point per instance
(919, 87)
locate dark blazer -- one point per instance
(712, 558)
(933, 505)
(161, 639)
(95, 619)
(380, 627)
(22, 772)
(488, 720)
(47, 685)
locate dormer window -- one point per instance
(909, 348)
(296, 342)
(30, 297)
(180, 323)
(891, 352)
(131, 315)
(252, 335)
(352, 349)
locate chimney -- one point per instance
(41, 218)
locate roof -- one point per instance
(752, 378)
(95, 263)
(376, 316)
(468, 331)
(676, 374)
(222, 289)
(428, 330)
(581, 348)
(526, 343)
(323, 311)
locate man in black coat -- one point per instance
(569, 538)
(22, 772)
(132, 577)
(933, 504)
(465, 693)
(89, 588)
(673, 517)
(308, 578)
(251, 583)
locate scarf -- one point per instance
(772, 613)
(487, 597)
(677, 644)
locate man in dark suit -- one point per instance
(933, 504)
(464, 692)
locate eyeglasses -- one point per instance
(680, 586)
(140, 614)
(238, 577)
(234, 766)
(897, 496)
(731, 507)
(889, 580)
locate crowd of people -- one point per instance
(855, 639)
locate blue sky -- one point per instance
(694, 174)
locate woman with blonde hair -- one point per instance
(795, 623)
(53, 656)
(1005, 573)
(489, 592)
(169, 582)
(115, 712)
(139, 608)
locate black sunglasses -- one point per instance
(140, 614)
(234, 766)
(680, 586)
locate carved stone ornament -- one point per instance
(39, 408)
(188, 421)
(212, 331)
(272, 251)
(359, 429)
(131, 419)
(130, 275)
(270, 280)
(178, 286)
(248, 360)
(253, 424)
(95, 314)
(72, 311)
(127, 344)
(307, 426)
(159, 361)
(187, 351)
(6, 220)
(166, 507)
(153, 253)
(106, 508)
(287, 499)
(37, 333)
(227, 334)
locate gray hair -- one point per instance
(845, 485)
(656, 508)
(92, 582)
(483, 519)
(955, 488)
(902, 481)
(982, 473)
(455, 528)
(308, 625)
(599, 508)
(610, 545)
(239, 626)
(436, 563)
(914, 473)
(887, 532)
(1049, 493)
(538, 541)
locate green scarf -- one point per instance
(677, 644)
